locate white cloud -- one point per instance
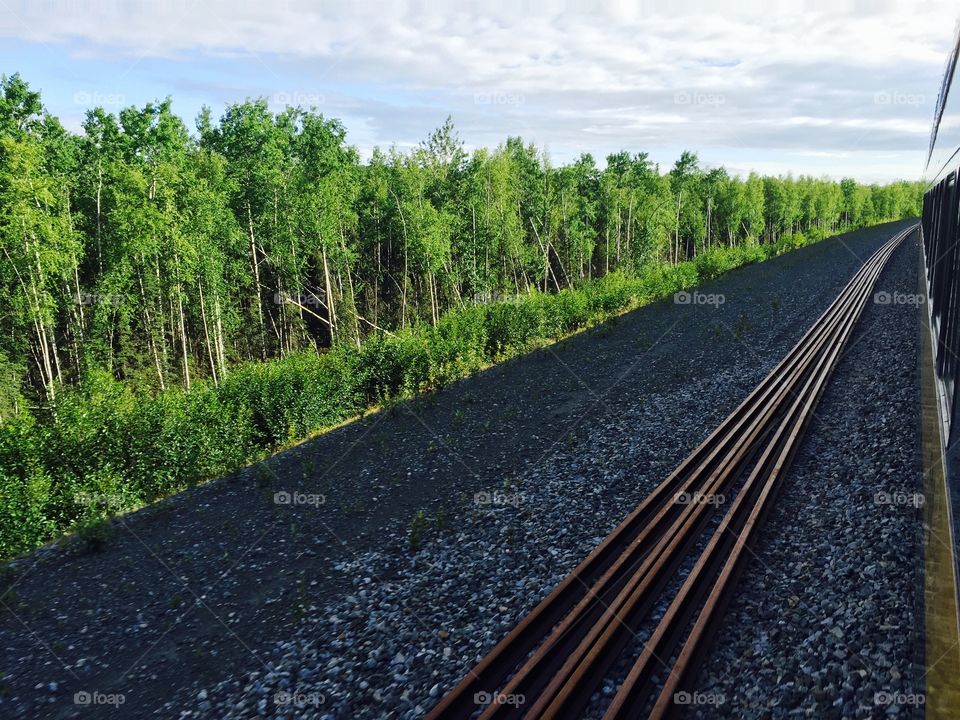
(759, 75)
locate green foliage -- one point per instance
(161, 257)
(418, 526)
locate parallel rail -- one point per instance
(558, 655)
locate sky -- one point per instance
(820, 88)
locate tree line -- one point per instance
(160, 255)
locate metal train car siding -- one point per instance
(940, 231)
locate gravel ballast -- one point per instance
(418, 536)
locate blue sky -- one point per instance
(814, 88)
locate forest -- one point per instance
(180, 301)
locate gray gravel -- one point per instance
(212, 603)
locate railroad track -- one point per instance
(557, 656)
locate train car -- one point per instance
(939, 225)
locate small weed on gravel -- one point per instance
(741, 328)
(418, 526)
(264, 475)
(94, 534)
(308, 468)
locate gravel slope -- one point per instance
(211, 603)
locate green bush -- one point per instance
(26, 516)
